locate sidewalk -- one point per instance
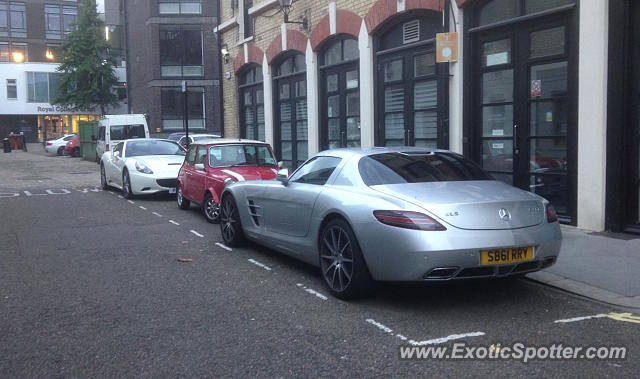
(596, 266)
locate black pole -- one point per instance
(185, 92)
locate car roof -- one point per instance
(227, 141)
(359, 151)
(147, 139)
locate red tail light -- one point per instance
(408, 220)
(106, 147)
(49, 143)
(551, 214)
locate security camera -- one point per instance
(225, 52)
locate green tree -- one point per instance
(87, 67)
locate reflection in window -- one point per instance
(547, 42)
(501, 10)
(496, 52)
(181, 52)
(172, 103)
(341, 50)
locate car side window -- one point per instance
(201, 156)
(68, 138)
(191, 155)
(118, 148)
(316, 171)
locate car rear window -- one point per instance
(395, 168)
(120, 132)
(150, 147)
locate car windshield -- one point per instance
(174, 137)
(240, 155)
(120, 132)
(150, 147)
(395, 168)
(200, 138)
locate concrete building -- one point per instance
(31, 33)
(542, 94)
(168, 41)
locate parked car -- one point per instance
(175, 136)
(394, 214)
(142, 166)
(115, 128)
(196, 138)
(73, 146)
(213, 163)
(58, 145)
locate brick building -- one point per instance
(539, 95)
(168, 41)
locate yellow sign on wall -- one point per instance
(446, 47)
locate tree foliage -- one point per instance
(87, 68)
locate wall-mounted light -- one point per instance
(18, 56)
(285, 8)
(49, 55)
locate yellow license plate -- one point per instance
(504, 256)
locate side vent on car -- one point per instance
(411, 31)
(255, 211)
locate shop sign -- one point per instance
(64, 109)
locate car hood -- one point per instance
(477, 205)
(243, 173)
(161, 164)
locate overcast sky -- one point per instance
(100, 4)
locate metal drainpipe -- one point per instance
(220, 69)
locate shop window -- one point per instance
(12, 89)
(181, 52)
(172, 103)
(179, 6)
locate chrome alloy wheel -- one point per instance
(228, 220)
(212, 209)
(336, 258)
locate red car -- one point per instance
(212, 164)
(73, 146)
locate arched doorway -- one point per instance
(290, 109)
(339, 93)
(251, 103)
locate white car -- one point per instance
(57, 146)
(142, 166)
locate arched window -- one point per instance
(411, 105)
(290, 92)
(339, 93)
(251, 103)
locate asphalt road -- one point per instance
(91, 285)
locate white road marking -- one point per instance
(120, 197)
(131, 202)
(259, 264)
(141, 207)
(312, 292)
(196, 233)
(174, 223)
(157, 214)
(435, 341)
(582, 318)
(227, 248)
(440, 340)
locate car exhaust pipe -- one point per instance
(441, 273)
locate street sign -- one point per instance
(446, 47)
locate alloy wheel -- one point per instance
(336, 258)
(212, 209)
(227, 217)
(179, 198)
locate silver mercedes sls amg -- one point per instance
(394, 214)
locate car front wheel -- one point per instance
(183, 203)
(230, 226)
(127, 193)
(60, 150)
(341, 262)
(211, 209)
(103, 178)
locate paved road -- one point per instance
(91, 285)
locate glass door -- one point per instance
(523, 110)
(291, 146)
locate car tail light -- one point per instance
(49, 143)
(408, 220)
(551, 214)
(106, 147)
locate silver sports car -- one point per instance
(394, 214)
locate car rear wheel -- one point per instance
(182, 202)
(230, 226)
(60, 150)
(75, 152)
(341, 262)
(211, 209)
(103, 178)
(127, 193)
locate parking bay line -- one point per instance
(626, 317)
(131, 202)
(174, 223)
(312, 292)
(259, 264)
(227, 248)
(435, 341)
(157, 214)
(196, 233)
(141, 207)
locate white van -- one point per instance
(115, 128)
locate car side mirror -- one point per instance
(116, 154)
(280, 164)
(200, 167)
(283, 176)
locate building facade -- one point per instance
(535, 96)
(168, 41)
(31, 33)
